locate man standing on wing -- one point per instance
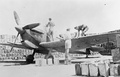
(67, 46)
(50, 25)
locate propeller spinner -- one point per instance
(30, 26)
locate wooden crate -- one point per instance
(40, 62)
(116, 54)
(49, 61)
(56, 61)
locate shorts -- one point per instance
(67, 44)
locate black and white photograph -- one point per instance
(59, 38)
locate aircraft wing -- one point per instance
(14, 45)
(82, 42)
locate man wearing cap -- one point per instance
(67, 46)
(50, 25)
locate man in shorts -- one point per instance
(50, 25)
(67, 46)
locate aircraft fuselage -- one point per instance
(31, 40)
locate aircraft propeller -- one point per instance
(18, 23)
(17, 19)
(14, 42)
(21, 30)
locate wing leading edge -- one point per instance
(83, 42)
(14, 45)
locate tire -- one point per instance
(29, 59)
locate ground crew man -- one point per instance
(67, 46)
(50, 25)
(83, 28)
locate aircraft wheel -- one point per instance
(29, 59)
(87, 52)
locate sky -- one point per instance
(99, 15)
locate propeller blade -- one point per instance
(14, 42)
(30, 26)
(17, 19)
(11, 49)
(38, 31)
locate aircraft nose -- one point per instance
(20, 30)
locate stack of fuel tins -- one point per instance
(97, 69)
(105, 68)
(44, 62)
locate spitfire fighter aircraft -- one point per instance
(38, 40)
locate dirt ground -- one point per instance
(19, 69)
(31, 70)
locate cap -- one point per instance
(50, 18)
(68, 29)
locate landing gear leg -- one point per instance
(87, 52)
(30, 58)
(49, 55)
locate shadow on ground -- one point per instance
(86, 58)
(14, 63)
(18, 63)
